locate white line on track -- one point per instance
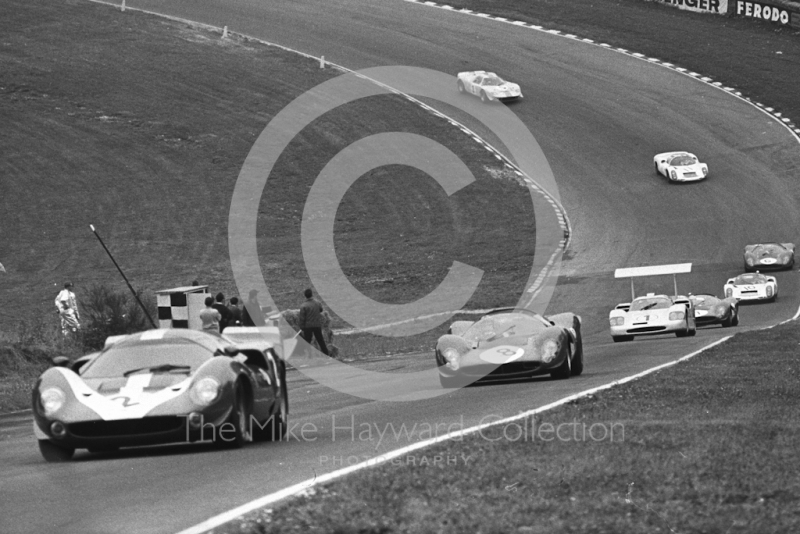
(272, 498)
(302, 486)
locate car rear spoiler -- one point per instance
(623, 306)
(654, 270)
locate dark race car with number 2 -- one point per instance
(161, 386)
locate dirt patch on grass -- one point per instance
(629, 459)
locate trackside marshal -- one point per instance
(718, 7)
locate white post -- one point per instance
(123, 5)
(322, 62)
(633, 293)
(675, 283)
(225, 32)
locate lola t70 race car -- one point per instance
(488, 86)
(510, 343)
(768, 256)
(161, 386)
(752, 286)
(680, 167)
(709, 309)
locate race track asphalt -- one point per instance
(599, 117)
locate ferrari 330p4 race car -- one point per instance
(752, 286)
(680, 167)
(488, 86)
(709, 309)
(510, 343)
(768, 256)
(653, 314)
(161, 386)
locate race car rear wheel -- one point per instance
(564, 370)
(55, 453)
(577, 360)
(619, 339)
(240, 420)
(277, 425)
(461, 87)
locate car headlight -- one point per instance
(452, 356)
(205, 391)
(674, 175)
(705, 171)
(729, 292)
(749, 261)
(677, 316)
(769, 291)
(719, 310)
(785, 258)
(52, 400)
(617, 321)
(549, 350)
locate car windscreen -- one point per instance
(497, 326)
(655, 303)
(493, 81)
(767, 249)
(116, 361)
(704, 300)
(746, 279)
(682, 160)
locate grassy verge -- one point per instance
(630, 459)
(140, 127)
(760, 59)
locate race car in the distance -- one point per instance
(709, 309)
(161, 386)
(653, 314)
(488, 86)
(680, 167)
(752, 286)
(510, 343)
(768, 256)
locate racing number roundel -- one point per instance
(502, 354)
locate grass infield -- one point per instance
(140, 125)
(629, 459)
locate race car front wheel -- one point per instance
(564, 370)
(55, 453)
(484, 98)
(460, 86)
(619, 339)
(239, 420)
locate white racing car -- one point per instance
(752, 286)
(652, 313)
(488, 86)
(680, 167)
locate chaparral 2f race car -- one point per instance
(709, 309)
(680, 167)
(768, 256)
(752, 286)
(161, 386)
(653, 314)
(488, 86)
(510, 343)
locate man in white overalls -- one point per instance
(68, 310)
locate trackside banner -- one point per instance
(759, 10)
(717, 7)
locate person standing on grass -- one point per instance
(236, 313)
(210, 317)
(309, 320)
(223, 310)
(67, 306)
(252, 304)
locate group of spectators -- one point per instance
(217, 316)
